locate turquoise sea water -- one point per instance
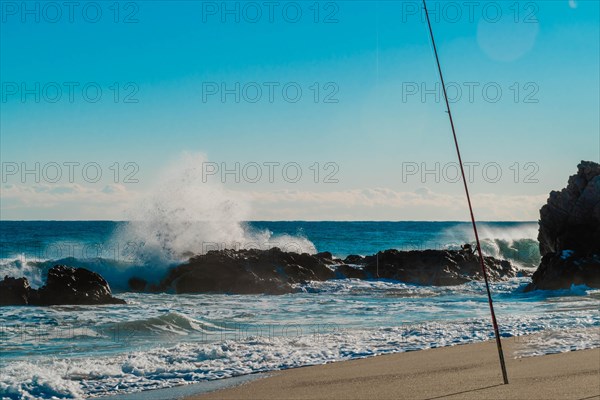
(164, 340)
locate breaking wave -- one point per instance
(186, 215)
(516, 243)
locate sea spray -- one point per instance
(116, 250)
(517, 244)
(184, 215)
(161, 340)
(180, 216)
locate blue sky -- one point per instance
(370, 62)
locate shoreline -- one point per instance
(469, 371)
(185, 391)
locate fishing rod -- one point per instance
(462, 170)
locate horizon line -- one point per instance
(265, 220)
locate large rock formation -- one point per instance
(432, 267)
(259, 272)
(276, 272)
(14, 291)
(64, 286)
(569, 233)
(247, 272)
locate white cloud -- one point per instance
(388, 204)
(75, 201)
(65, 201)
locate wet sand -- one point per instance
(460, 372)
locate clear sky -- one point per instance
(345, 88)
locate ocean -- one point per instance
(165, 340)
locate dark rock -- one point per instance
(435, 267)
(354, 259)
(571, 218)
(569, 233)
(246, 272)
(14, 291)
(350, 272)
(64, 286)
(560, 271)
(137, 284)
(524, 273)
(325, 256)
(276, 272)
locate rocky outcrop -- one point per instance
(64, 286)
(560, 271)
(432, 267)
(276, 272)
(247, 272)
(14, 291)
(569, 233)
(258, 272)
(137, 284)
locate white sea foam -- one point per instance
(183, 363)
(173, 340)
(162, 340)
(557, 341)
(517, 243)
(185, 214)
(182, 216)
(22, 266)
(171, 323)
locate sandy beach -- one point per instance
(460, 372)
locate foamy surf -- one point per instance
(162, 340)
(184, 363)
